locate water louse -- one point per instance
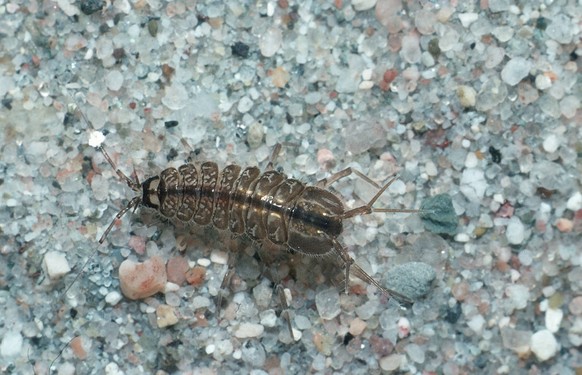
(266, 206)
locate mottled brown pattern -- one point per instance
(264, 206)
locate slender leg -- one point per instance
(275, 278)
(357, 271)
(285, 308)
(344, 173)
(368, 209)
(224, 286)
(276, 152)
(274, 155)
(134, 185)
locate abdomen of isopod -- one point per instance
(265, 206)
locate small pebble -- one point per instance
(438, 215)
(363, 4)
(494, 56)
(165, 316)
(204, 262)
(467, 96)
(410, 51)
(328, 303)
(527, 94)
(176, 269)
(112, 368)
(387, 13)
(302, 322)
(366, 85)
(78, 348)
(462, 237)
(255, 135)
(96, 138)
(367, 74)
(89, 7)
(175, 96)
(564, 225)
(403, 325)
(270, 42)
(516, 340)
(325, 158)
(544, 344)
(153, 27)
(141, 280)
(415, 352)
(575, 306)
(477, 323)
(425, 21)
(218, 257)
(515, 232)
(569, 106)
(225, 347)
(515, 70)
(427, 59)
(413, 279)
(312, 98)
(575, 202)
(196, 276)
(113, 298)
(246, 330)
(430, 168)
(471, 161)
(473, 184)
(503, 33)
(171, 287)
(268, 318)
(452, 313)
(114, 80)
(67, 7)
(518, 296)
(391, 362)
(561, 29)
(199, 302)
(468, 18)
(280, 77)
(12, 8)
(498, 5)
(75, 42)
(245, 104)
(554, 319)
(56, 265)
(11, 344)
(357, 326)
(551, 143)
(525, 257)
(543, 82)
(263, 294)
(240, 49)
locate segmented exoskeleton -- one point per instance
(265, 206)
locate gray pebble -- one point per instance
(438, 215)
(412, 280)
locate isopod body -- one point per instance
(266, 206)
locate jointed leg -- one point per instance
(284, 308)
(357, 271)
(274, 155)
(134, 185)
(367, 208)
(344, 173)
(232, 260)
